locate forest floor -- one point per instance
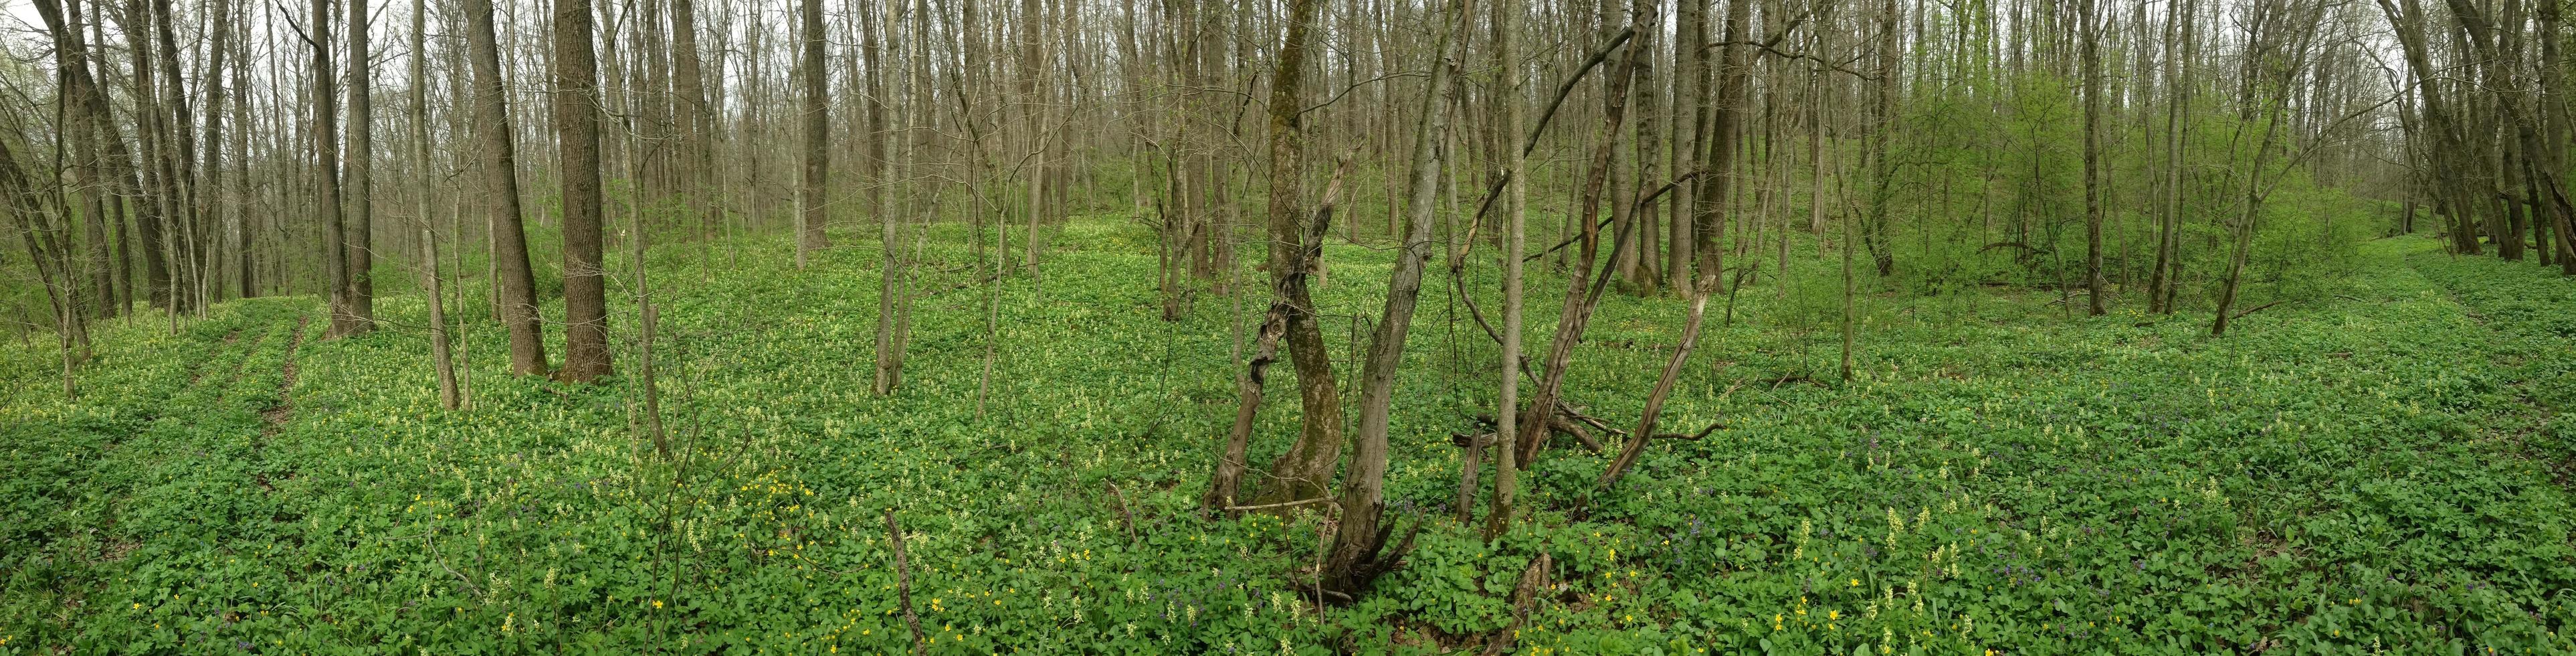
(2378, 464)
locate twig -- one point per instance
(1123, 517)
(1322, 500)
(460, 577)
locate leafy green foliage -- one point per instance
(2373, 466)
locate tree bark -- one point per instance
(326, 174)
(2092, 29)
(361, 306)
(514, 281)
(1359, 554)
(811, 213)
(574, 96)
(1307, 467)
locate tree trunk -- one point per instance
(1507, 18)
(514, 281)
(811, 213)
(692, 118)
(2092, 29)
(574, 96)
(1307, 467)
(1359, 554)
(326, 174)
(889, 352)
(361, 313)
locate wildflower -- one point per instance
(657, 604)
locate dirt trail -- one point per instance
(277, 415)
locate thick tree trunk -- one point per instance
(811, 213)
(1307, 467)
(2092, 157)
(574, 96)
(361, 306)
(1227, 484)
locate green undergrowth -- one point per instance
(2374, 463)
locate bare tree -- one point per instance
(359, 166)
(1359, 554)
(1303, 471)
(514, 282)
(326, 174)
(811, 213)
(2092, 29)
(574, 96)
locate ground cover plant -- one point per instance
(2376, 468)
(1362, 327)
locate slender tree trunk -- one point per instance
(514, 282)
(326, 174)
(1583, 288)
(2177, 85)
(692, 118)
(439, 357)
(889, 354)
(1507, 19)
(2092, 30)
(1359, 554)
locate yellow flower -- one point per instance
(1833, 615)
(657, 603)
(1854, 583)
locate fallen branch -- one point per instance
(2258, 308)
(903, 582)
(1317, 500)
(1524, 596)
(1559, 424)
(1712, 428)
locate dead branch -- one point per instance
(903, 582)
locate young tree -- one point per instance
(1359, 554)
(693, 118)
(439, 359)
(1507, 18)
(889, 355)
